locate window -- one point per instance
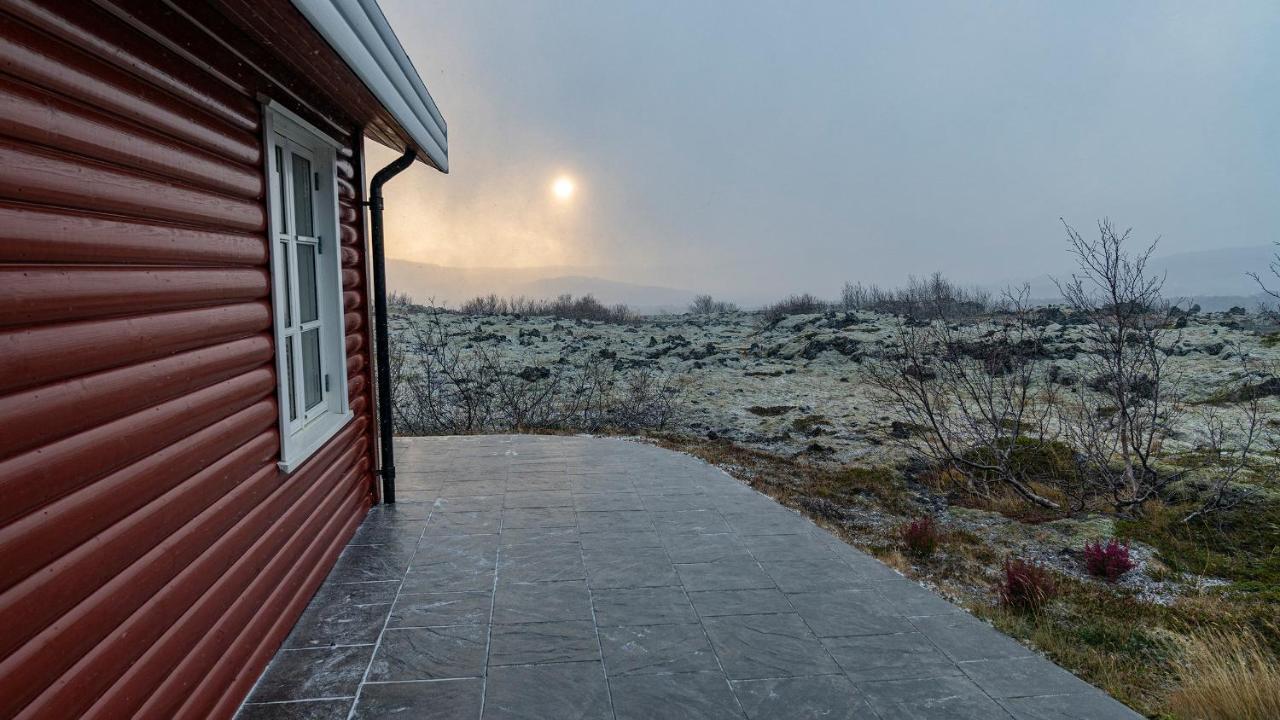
(306, 285)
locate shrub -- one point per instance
(565, 307)
(1109, 561)
(1025, 585)
(707, 305)
(934, 296)
(805, 304)
(921, 536)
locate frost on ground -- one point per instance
(797, 387)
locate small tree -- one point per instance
(1130, 336)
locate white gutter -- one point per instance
(359, 33)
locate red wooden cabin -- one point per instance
(188, 425)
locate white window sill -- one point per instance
(299, 448)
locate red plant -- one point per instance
(1026, 585)
(921, 536)
(1108, 561)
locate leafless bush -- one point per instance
(565, 307)
(980, 408)
(442, 385)
(1131, 336)
(803, 304)
(933, 296)
(398, 299)
(707, 305)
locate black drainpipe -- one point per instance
(383, 359)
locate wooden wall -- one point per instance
(152, 556)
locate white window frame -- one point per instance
(303, 430)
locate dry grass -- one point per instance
(1226, 676)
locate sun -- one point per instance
(563, 188)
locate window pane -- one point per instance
(308, 307)
(302, 196)
(287, 288)
(282, 222)
(311, 368)
(291, 391)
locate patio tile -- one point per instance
(440, 700)
(467, 503)
(1022, 677)
(519, 518)
(1090, 705)
(689, 522)
(794, 576)
(543, 642)
(366, 563)
(619, 541)
(637, 567)
(965, 637)
(723, 575)
(761, 646)
(619, 521)
(301, 710)
(517, 602)
(912, 600)
(682, 501)
(773, 522)
(455, 574)
(428, 610)
(680, 696)
(831, 697)
(647, 649)
(786, 547)
(464, 523)
(704, 548)
(313, 673)
(351, 614)
(889, 657)
(430, 653)
(539, 499)
(600, 484)
(538, 482)
(849, 612)
(947, 698)
(568, 691)
(382, 533)
(528, 536)
(532, 562)
(758, 601)
(457, 546)
(642, 606)
(607, 501)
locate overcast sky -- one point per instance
(782, 147)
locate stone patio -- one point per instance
(571, 577)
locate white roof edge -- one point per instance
(359, 33)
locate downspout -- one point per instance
(383, 359)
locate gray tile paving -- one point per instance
(573, 577)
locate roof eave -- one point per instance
(360, 34)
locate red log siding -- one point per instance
(152, 556)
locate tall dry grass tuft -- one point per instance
(1227, 676)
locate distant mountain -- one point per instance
(452, 286)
